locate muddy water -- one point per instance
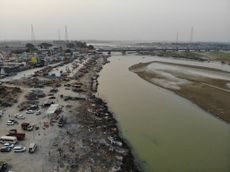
(167, 133)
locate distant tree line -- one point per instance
(45, 45)
(79, 44)
(72, 44)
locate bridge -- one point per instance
(124, 50)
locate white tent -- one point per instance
(52, 109)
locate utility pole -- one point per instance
(32, 34)
(66, 34)
(177, 37)
(191, 35)
(59, 35)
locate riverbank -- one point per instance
(206, 87)
(83, 136)
(222, 56)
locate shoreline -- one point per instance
(211, 95)
(132, 157)
(132, 164)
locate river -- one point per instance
(167, 133)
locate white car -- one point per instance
(19, 116)
(18, 149)
(10, 145)
(30, 128)
(32, 147)
(30, 111)
(10, 122)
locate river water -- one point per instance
(166, 132)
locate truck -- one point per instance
(26, 126)
(19, 136)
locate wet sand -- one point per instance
(212, 93)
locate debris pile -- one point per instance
(35, 95)
(26, 104)
(91, 141)
(8, 95)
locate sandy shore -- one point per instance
(206, 87)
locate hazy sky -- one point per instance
(156, 20)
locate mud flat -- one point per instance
(206, 87)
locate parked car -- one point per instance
(5, 149)
(30, 128)
(18, 149)
(19, 116)
(50, 94)
(52, 97)
(26, 126)
(11, 122)
(10, 145)
(53, 90)
(32, 147)
(30, 112)
(33, 107)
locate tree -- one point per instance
(45, 45)
(70, 45)
(91, 47)
(80, 44)
(30, 46)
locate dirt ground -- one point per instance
(89, 140)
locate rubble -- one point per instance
(100, 137)
(8, 95)
(26, 104)
(35, 95)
